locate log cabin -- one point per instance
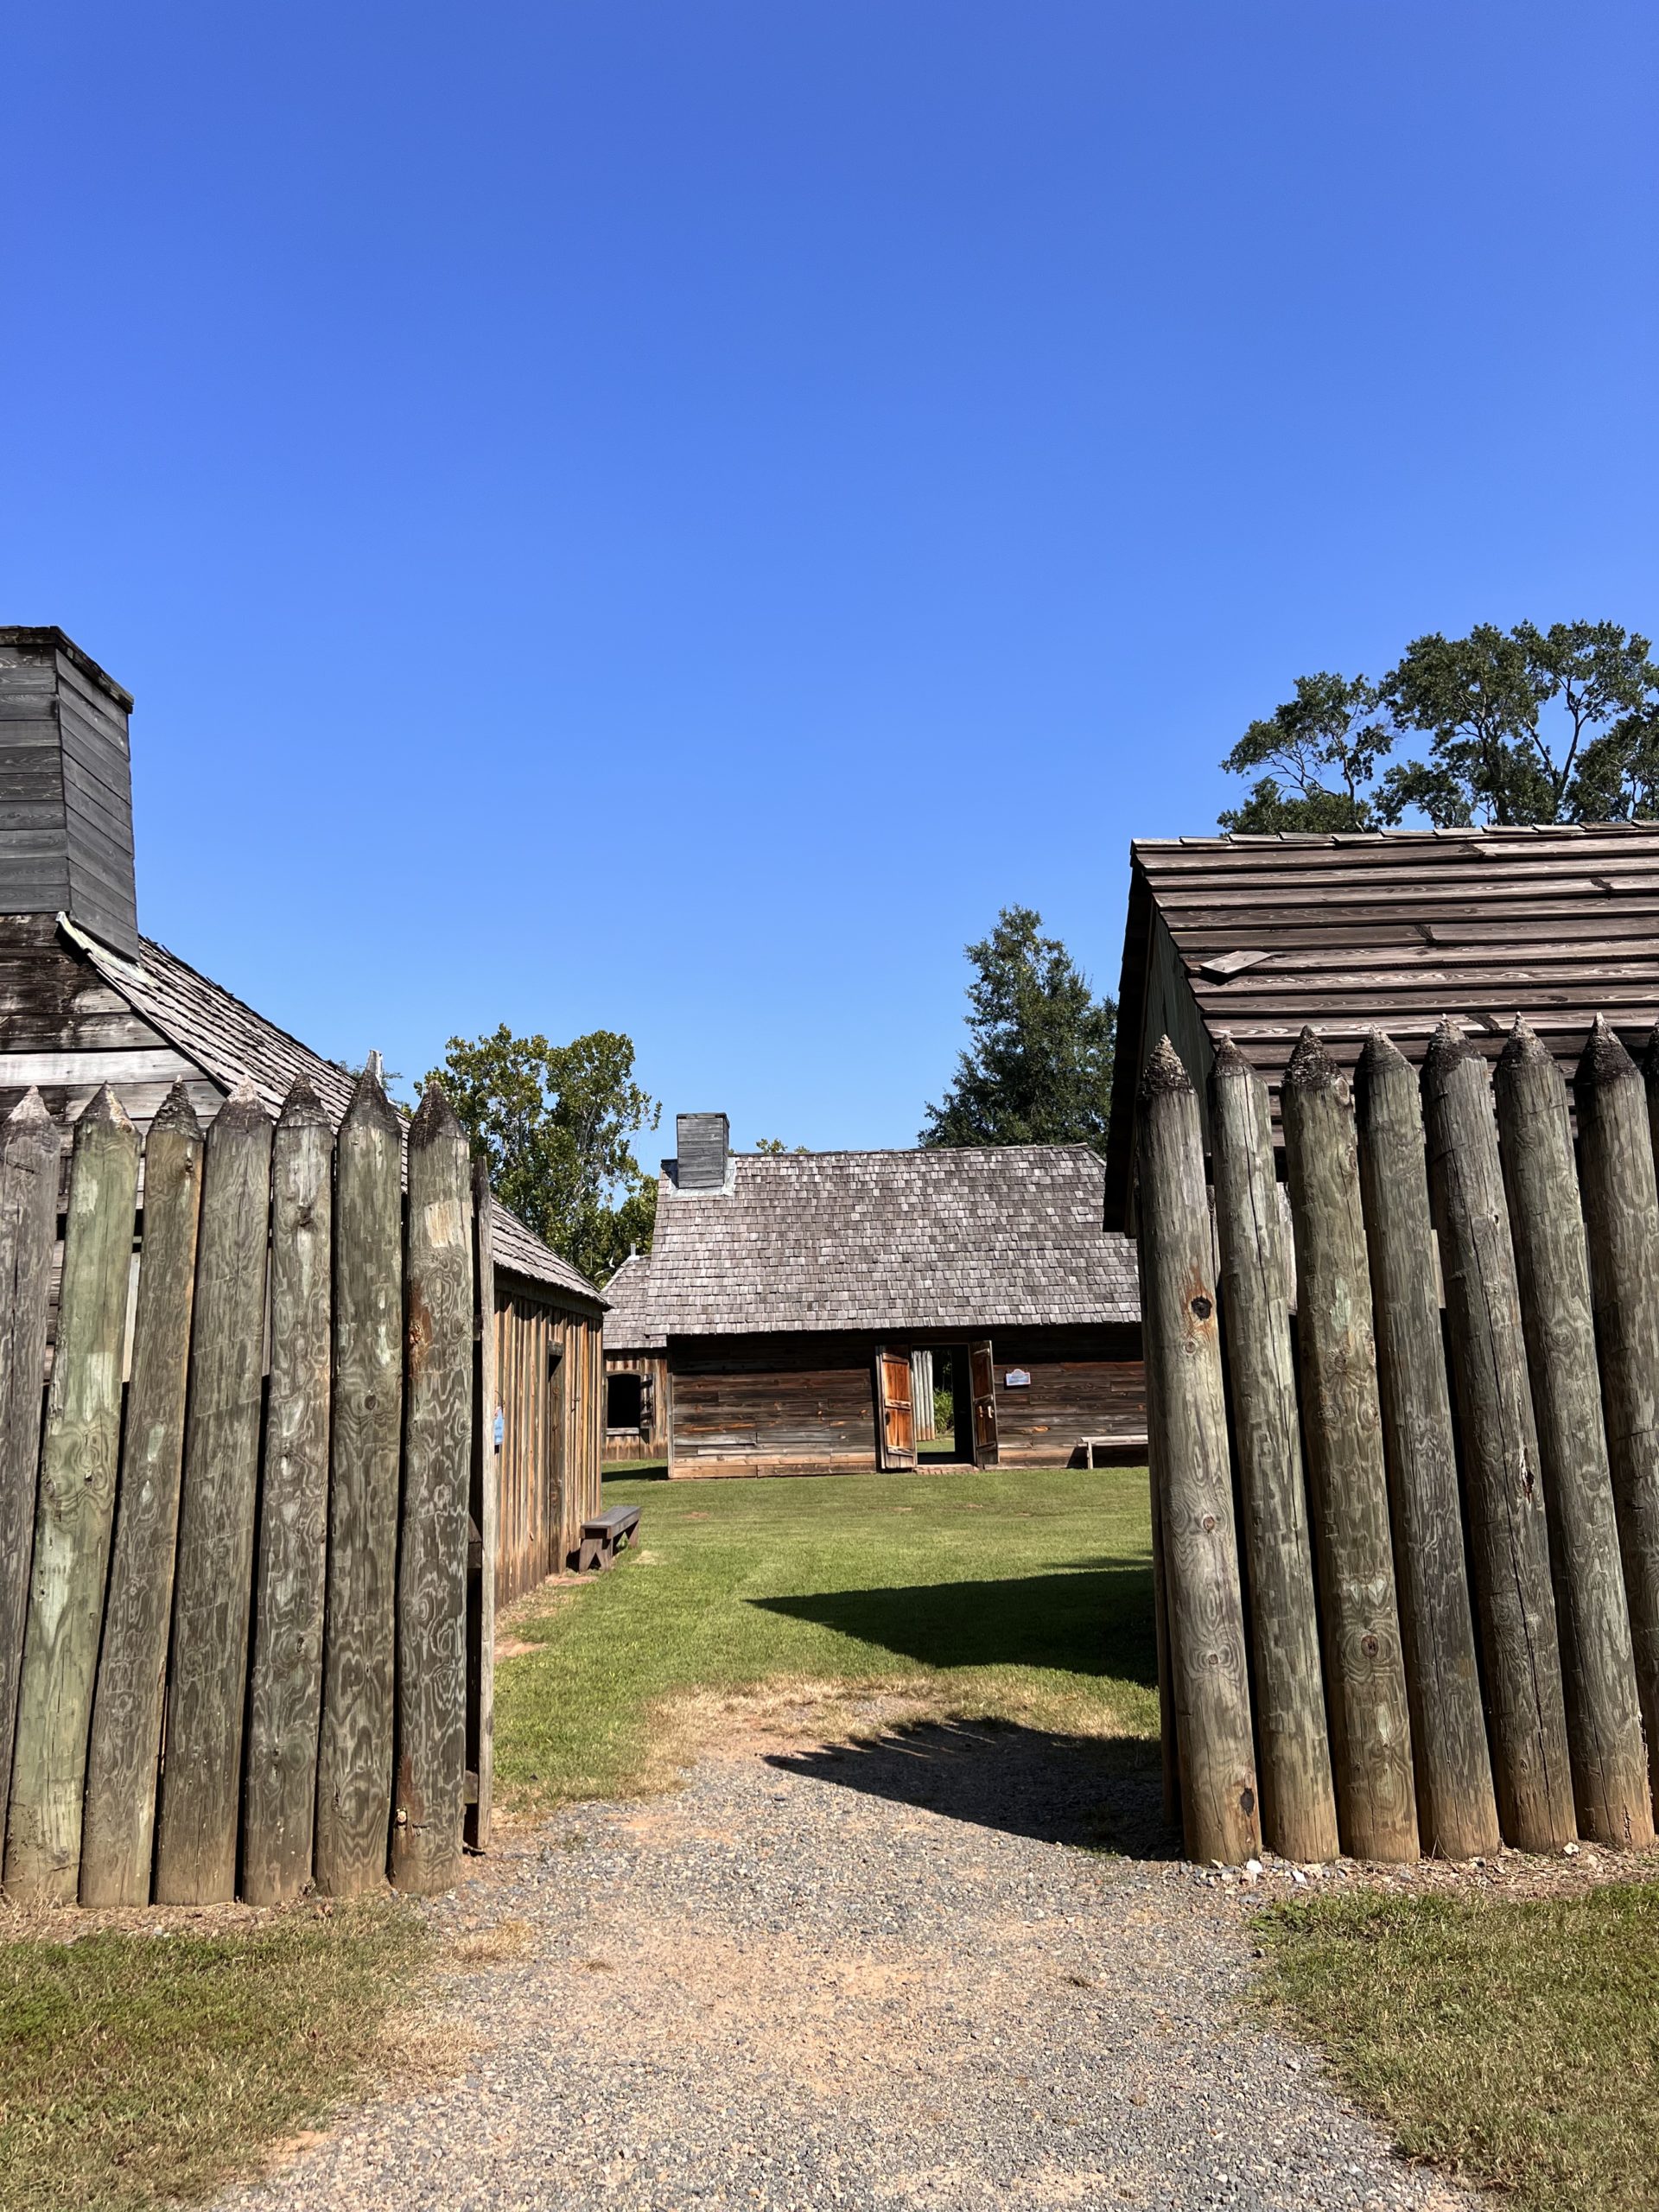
(85, 1000)
(1252, 936)
(796, 1311)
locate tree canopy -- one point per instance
(1038, 1067)
(1523, 725)
(555, 1123)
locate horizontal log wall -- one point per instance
(174, 1583)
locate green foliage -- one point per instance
(554, 1121)
(772, 1146)
(1524, 724)
(1039, 1068)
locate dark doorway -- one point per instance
(952, 1441)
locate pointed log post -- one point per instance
(428, 1805)
(486, 1515)
(285, 1702)
(74, 1512)
(1622, 1213)
(1298, 1805)
(122, 1766)
(208, 1671)
(1510, 1541)
(1457, 1810)
(355, 1749)
(30, 1158)
(1168, 1734)
(1376, 1796)
(1209, 1669)
(1603, 1713)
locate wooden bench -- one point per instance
(605, 1535)
(1089, 1445)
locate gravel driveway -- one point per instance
(864, 1977)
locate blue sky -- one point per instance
(666, 517)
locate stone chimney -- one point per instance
(704, 1139)
(66, 819)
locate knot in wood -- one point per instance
(1208, 1523)
(1369, 1645)
(1203, 1308)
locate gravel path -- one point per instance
(864, 1977)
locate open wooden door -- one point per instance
(983, 1381)
(895, 1410)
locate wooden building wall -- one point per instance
(805, 1404)
(549, 1381)
(623, 1444)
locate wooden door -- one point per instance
(895, 1407)
(983, 1381)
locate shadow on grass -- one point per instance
(1103, 1794)
(1097, 1620)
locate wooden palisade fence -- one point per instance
(1452, 1621)
(243, 1613)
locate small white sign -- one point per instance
(500, 1428)
(1016, 1379)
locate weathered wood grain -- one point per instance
(208, 1671)
(1616, 1171)
(1457, 1810)
(73, 1513)
(428, 1798)
(285, 1701)
(1509, 1537)
(1370, 1724)
(485, 1508)
(29, 1218)
(123, 1762)
(1168, 1743)
(355, 1751)
(1603, 1713)
(1209, 1668)
(1298, 1808)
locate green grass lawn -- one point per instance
(1516, 2043)
(138, 2069)
(1023, 1594)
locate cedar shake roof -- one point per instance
(1006, 1236)
(1389, 930)
(230, 1041)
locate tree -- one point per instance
(1525, 724)
(770, 1147)
(554, 1121)
(1038, 1070)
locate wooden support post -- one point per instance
(285, 1702)
(29, 1162)
(73, 1513)
(1616, 1168)
(1510, 1541)
(1370, 1723)
(122, 1765)
(1603, 1713)
(1457, 1811)
(208, 1673)
(354, 1757)
(1299, 1806)
(1209, 1669)
(1169, 1736)
(428, 1800)
(486, 1515)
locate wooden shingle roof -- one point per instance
(1389, 931)
(1004, 1238)
(229, 1041)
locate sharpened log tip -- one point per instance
(1379, 1055)
(29, 1109)
(301, 1109)
(1312, 1067)
(369, 1100)
(1525, 1046)
(435, 1117)
(1651, 1054)
(175, 1111)
(106, 1107)
(242, 1110)
(1164, 1071)
(1229, 1060)
(1604, 1059)
(1447, 1046)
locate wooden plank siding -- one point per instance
(624, 1443)
(550, 1380)
(1391, 931)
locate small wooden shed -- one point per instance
(1255, 936)
(85, 1000)
(796, 1308)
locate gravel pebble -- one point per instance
(858, 1977)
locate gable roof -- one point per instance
(1389, 930)
(1004, 1238)
(229, 1041)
